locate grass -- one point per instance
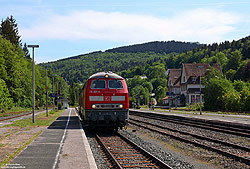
(40, 120)
(16, 110)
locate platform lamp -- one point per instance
(33, 80)
(200, 87)
(208, 90)
(12, 89)
(53, 75)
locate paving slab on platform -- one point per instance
(62, 145)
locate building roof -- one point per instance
(198, 69)
(165, 98)
(174, 75)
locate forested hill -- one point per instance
(79, 68)
(234, 58)
(157, 47)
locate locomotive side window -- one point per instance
(98, 84)
(115, 84)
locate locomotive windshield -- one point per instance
(98, 84)
(115, 84)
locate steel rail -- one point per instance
(149, 155)
(108, 153)
(201, 125)
(238, 158)
(196, 136)
(20, 115)
(142, 151)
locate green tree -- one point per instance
(231, 100)
(246, 71)
(221, 59)
(230, 74)
(5, 100)
(157, 71)
(148, 85)
(158, 82)
(245, 99)
(234, 60)
(9, 30)
(72, 94)
(218, 87)
(26, 52)
(160, 93)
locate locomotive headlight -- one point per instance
(93, 106)
(121, 106)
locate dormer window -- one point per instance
(193, 79)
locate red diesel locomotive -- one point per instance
(104, 101)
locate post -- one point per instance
(53, 93)
(53, 75)
(40, 95)
(33, 80)
(208, 83)
(200, 95)
(46, 95)
(200, 88)
(57, 95)
(12, 89)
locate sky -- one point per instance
(64, 28)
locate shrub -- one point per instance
(218, 88)
(60, 106)
(195, 107)
(232, 100)
(245, 100)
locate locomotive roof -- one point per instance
(103, 74)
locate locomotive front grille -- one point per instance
(107, 106)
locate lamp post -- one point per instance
(12, 88)
(200, 86)
(53, 75)
(33, 81)
(46, 96)
(208, 70)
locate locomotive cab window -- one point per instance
(98, 84)
(115, 84)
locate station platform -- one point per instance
(62, 145)
(243, 120)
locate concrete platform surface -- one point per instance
(62, 145)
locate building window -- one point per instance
(192, 99)
(193, 79)
(197, 99)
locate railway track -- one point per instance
(123, 153)
(237, 152)
(2, 119)
(224, 128)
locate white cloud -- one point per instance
(201, 25)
